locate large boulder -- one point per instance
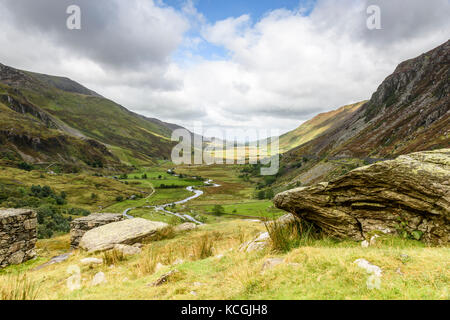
(80, 226)
(124, 232)
(408, 196)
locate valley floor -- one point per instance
(210, 265)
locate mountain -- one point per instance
(317, 126)
(409, 112)
(39, 106)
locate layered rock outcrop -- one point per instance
(409, 196)
(79, 227)
(18, 236)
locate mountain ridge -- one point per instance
(76, 111)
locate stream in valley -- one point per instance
(163, 207)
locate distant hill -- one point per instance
(317, 126)
(409, 112)
(60, 106)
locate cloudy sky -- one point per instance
(229, 64)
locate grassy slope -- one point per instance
(19, 130)
(80, 111)
(321, 270)
(105, 121)
(79, 187)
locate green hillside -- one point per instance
(79, 112)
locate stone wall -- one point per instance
(79, 227)
(18, 236)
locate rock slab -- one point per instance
(18, 236)
(126, 232)
(409, 196)
(80, 226)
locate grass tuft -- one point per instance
(164, 234)
(286, 237)
(113, 257)
(19, 288)
(203, 248)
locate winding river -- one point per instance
(185, 217)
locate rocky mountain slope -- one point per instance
(409, 112)
(48, 106)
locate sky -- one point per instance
(266, 64)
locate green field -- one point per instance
(259, 209)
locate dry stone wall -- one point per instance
(18, 236)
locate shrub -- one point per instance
(25, 166)
(261, 195)
(51, 220)
(218, 210)
(270, 194)
(79, 212)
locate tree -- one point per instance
(218, 210)
(261, 195)
(25, 166)
(270, 194)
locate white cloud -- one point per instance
(280, 70)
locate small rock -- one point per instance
(91, 261)
(373, 240)
(272, 263)
(98, 279)
(193, 293)
(295, 265)
(220, 256)
(188, 226)
(17, 257)
(177, 262)
(258, 244)
(198, 284)
(127, 250)
(164, 278)
(365, 244)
